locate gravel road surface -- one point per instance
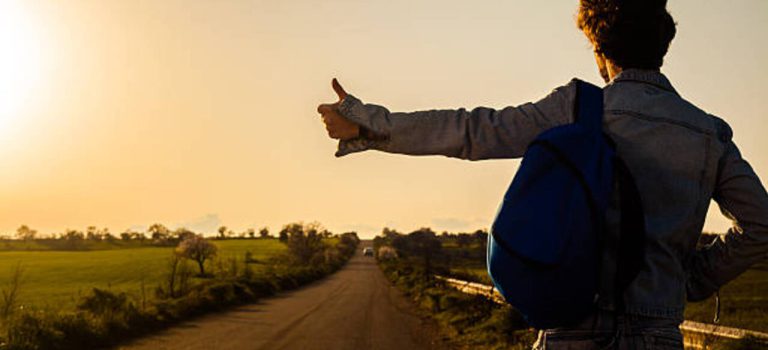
(355, 308)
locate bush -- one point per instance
(103, 318)
(386, 253)
(33, 331)
(469, 320)
(106, 305)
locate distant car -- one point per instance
(368, 251)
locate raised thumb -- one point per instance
(339, 90)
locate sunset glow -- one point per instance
(202, 113)
(21, 60)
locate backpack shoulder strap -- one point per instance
(589, 105)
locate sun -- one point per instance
(21, 58)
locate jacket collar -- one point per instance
(653, 77)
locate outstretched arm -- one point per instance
(742, 198)
(480, 133)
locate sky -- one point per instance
(202, 113)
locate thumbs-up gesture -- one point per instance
(337, 126)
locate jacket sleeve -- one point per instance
(742, 198)
(480, 133)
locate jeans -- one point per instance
(605, 330)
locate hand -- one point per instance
(338, 127)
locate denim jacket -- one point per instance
(680, 156)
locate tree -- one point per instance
(251, 233)
(463, 240)
(93, 234)
(348, 242)
(26, 233)
(182, 234)
(349, 238)
(73, 235)
(159, 233)
(304, 241)
(389, 234)
(198, 249)
(176, 277)
(140, 236)
(480, 236)
(422, 243)
(106, 235)
(223, 232)
(264, 232)
(132, 235)
(290, 229)
(315, 227)
(73, 239)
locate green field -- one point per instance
(56, 279)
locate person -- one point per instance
(680, 157)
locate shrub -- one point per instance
(103, 317)
(33, 331)
(470, 320)
(386, 253)
(108, 307)
(304, 242)
(10, 293)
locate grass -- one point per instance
(105, 317)
(55, 280)
(473, 274)
(744, 302)
(57, 244)
(467, 321)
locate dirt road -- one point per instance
(355, 308)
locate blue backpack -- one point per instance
(544, 250)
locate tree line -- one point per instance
(427, 247)
(157, 234)
(103, 317)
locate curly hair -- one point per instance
(631, 33)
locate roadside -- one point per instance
(104, 317)
(355, 308)
(445, 274)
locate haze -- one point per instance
(202, 113)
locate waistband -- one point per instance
(604, 321)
